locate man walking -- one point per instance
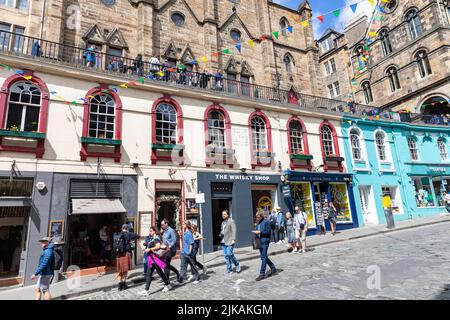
(301, 227)
(228, 236)
(170, 238)
(44, 270)
(187, 254)
(281, 223)
(263, 233)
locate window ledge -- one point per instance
(360, 161)
(334, 158)
(163, 146)
(263, 154)
(22, 134)
(362, 170)
(107, 142)
(301, 156)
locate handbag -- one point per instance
(161, 253)
(256, 243)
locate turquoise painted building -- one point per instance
(408, 162)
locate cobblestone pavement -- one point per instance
(413, 264)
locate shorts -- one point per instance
(43, 283)
(300, 235)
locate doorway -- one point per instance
(13, 239)
(218, 206)
(168, 206)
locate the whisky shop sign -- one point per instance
(242, 177)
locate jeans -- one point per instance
(280, 233)
(103, 254)
(185, 261)
(264, 258)
(273, 234)
(149, 274)
(194, 257)
(229, 257)
(169, 268)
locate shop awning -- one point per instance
(97, 206)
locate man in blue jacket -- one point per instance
(263, 232)
(44, 270)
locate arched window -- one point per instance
(367, 90)
(385, 39)
(259, 135)
(394, 81)
(327, 141)
(424, 63)
(412, 146)
(24, 105)
(359, 53)
(288, 62)
(284, 24)
(380, 142)
(414, 25)
(296, 137)
(216, 129)
(166, 124)
(102, 112)
(442, 149)
(390, 6)
(355, 144)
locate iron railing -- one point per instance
(184, 76)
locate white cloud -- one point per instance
(363, 8)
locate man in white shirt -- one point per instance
(154, 65)
(301, 227)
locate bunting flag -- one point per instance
(203, 59)
(276, 34)
(320, 18)
(304, 23)
(226, 51)
(239, 47)
(372, 34)
(21, 72)
(124, 85)
(378, 18)
(290, 29)
(379, 8)
(216, 54)
(262, 37)
(337, 12)
(353, 7)
(141, 80)
(28, 77)
(372, 2)
(251, 43)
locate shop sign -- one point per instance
(286, 190)
(436, 170)
(200, 198)
(239, 177)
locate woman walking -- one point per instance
(197, 238)
(155, 261)
(263, 233)
(122, 247)
(332, 216)
(320, 218)
(290, 232)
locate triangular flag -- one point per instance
(250, 43)
(379, 8)
(337, 12)
(19, 72)
(372, 2)
(320, 18)
(262, 37)
(290, 29)
(124, 85)
(132, 83)
(53, 93)
(216, 54)
(28, 77)
(276, 34)
(372, 34)
(161, 74)
(141, 80)
(74, 102)
(305, 23)
(378, 18)
(203, 59)
(238, 47)
(377, 117)
(91, 97)
(226, 51)
(353, 7)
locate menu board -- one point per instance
(301, 197)
(340, 195)
(145, 222)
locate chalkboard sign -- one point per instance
(56, 230)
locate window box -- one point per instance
(101, 141)
(212, 152)
(22, 134)
(163, 146)
(334, 158)
(302, 156)
(263, 154)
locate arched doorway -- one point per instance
(435, 105)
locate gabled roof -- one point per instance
(329, 32)
(165, 6)
(232, 18)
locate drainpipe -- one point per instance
(401, 171)
(41, 33)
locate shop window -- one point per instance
(355, 144)
(423, 63)
(442, 149)
(24, 107)
(394, 81)
(414, 25)
(339, 196)
(423, 192)
(439, 189)
(412, 145)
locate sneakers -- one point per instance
(228, 273)
(143, 293)
(304, 251)
(120, 286)
(261, 277)
(166, 288)
(190, 278)
(238, 268)
(272, 273)
(205, 269)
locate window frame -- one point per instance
(423, 63)
(394, 80)
(354, 132)
(177, 13)
(412, 147)
(386, 43)
(268, 133)
(25, 106)
(227, 131)
(335, 145)
(367, 91)
(414, 23)
(442, 148)
(304, 135)
(288, 66)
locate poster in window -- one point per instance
(301, 195)
(340, 195)
(56, 230)
(145, 222)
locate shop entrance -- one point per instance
(13, 239)
(85, 244)
(218, 206)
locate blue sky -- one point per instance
(320, 7)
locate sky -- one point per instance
(320, 7)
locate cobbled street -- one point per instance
(413, 264)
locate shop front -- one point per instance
(314, 191)
(429, 182)
(242, 195)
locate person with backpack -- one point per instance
(122, 249)
(155, 251)
(45, 269)
(58, 260)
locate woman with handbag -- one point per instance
(262, 240)
(155, 251)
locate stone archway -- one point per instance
(435, 105)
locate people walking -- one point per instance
(122, 247)
(290, 232)
(228, 236)
(263, 233)
(197, 238)
(320, 219)
(332, 216)
(301, 227)
(187, 254)
(155, 261)
(44, 270)
(280, 226)
(273, 226)
(169, 237)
